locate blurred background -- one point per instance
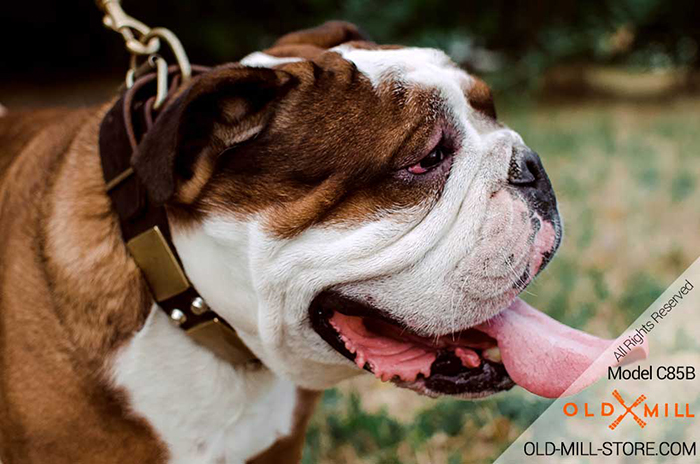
(608, 92)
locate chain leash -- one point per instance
(143, 44)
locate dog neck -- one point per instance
(202, 408)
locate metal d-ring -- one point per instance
(176, 46)
(161, 80)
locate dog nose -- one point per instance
(525, 168)
(527, 174)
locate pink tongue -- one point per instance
(540, 354)
(543, 355)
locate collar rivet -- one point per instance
(178, 317)
(198, 306)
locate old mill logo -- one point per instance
(628, 410)
(639, 410)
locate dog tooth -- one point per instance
(492, 354)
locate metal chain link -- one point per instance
(143, 43)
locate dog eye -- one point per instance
(431, 161)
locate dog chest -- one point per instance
(203, 409)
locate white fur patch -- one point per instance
(3, 112)
(263, 60)
(409, 64)
(204, 409)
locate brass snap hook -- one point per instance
(142, 41)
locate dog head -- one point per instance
(334, 199)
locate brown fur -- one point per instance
(69, 295)
(481, 98)
(325, 36)
(300, 164)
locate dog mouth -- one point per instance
(465, 363)
(519, 346)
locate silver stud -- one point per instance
(199, 307)
(178, 317)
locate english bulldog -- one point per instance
(346, 207)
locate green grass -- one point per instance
(626, 178)
(343, 427)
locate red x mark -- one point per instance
(639, 401)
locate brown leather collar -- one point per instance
(144, 224)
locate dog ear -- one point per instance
(325, 36)
(218, 110)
